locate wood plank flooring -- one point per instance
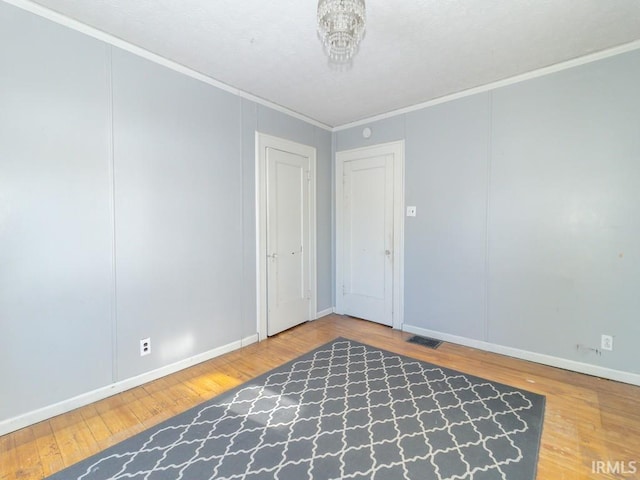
(587, 419)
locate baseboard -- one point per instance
(250, 339)
(35, 416)
(324, 313)
(580, 367)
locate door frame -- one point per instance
(397, 150)
(262, 142)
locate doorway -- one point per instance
(286, 232)
(369, 233)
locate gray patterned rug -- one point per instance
(343, 411)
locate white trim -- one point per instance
(397, 150)
(153, 57)
(44, 413)
(117, 42)
(540, 72)
(324, 313)
(250, 339)
(112, 212)
(264, 141)
(261, 239)
(580, 367)
(398, 236)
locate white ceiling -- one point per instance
(413, 51)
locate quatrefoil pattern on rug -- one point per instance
(344, 411)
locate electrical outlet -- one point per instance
(606, 342)
(145, 347)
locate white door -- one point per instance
(288, 289)
(368, 239)
(369, 233)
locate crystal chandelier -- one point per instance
(341, 27)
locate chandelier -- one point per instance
(341, 27)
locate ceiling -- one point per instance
(413, 51)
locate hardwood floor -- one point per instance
(587, 419)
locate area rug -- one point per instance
(343, 411)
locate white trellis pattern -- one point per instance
(344, 411)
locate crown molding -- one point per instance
(153, 57)
(558, 67)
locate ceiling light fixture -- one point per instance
(341, 26)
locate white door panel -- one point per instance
(288, 233)
(367, 226)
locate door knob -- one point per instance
(273, 255)
(387, 252)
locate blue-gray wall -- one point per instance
(127, 210)
(56, 229)
(528, 224)
(178, 214)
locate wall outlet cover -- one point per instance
(145, 347)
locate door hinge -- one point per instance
(308, 294)
(344, 290)
(308, 175)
